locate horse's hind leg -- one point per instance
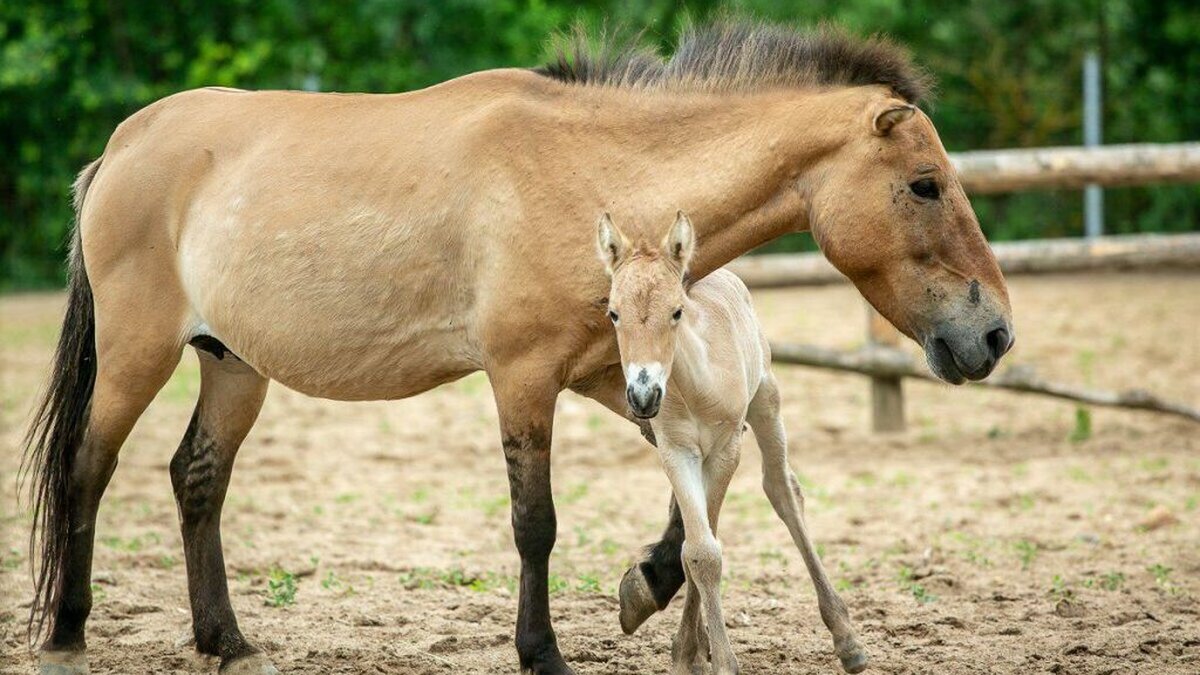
(231, 395)
(129, 373)
(783, 490)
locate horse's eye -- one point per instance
(677, 314)
(925, 188)
(612, 316)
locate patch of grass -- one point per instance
(1154, 464)
(902, 479)
(588, 583)
(773, 556)
(1112, 581)
(843, 584)
(608, 546)
(1079, 474)
(594, 422)
(281, 588)
(347, 498)
(167, 561)
(492, 507)
(1083, 425)
(98, 593)
(11, 560)
(557, 584)
(1059, 589)
(1027, 552)
(427, 577)
(577, 492)
(910, 585)
(133, 544)
(1162, 577)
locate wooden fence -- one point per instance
(1005, 171)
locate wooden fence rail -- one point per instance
(1121, 252)
(993, 171)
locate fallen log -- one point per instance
(995, 171)
(888, 362)
(1124, 252)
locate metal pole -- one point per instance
(1093, 195)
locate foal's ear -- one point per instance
(889, 114)
(611, 243)
(680, 242)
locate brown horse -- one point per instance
(375, 246)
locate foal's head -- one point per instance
(646, 305)
(891, 214)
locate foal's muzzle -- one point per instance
(644, 400)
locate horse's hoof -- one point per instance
(854, 658)
(637, 600)
(62, 663)
(252, 664)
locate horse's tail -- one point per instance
(57, 429)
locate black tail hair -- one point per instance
(57, 430)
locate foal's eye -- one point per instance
(925, 188)
(612, 316)
(677, 314)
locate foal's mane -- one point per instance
(739, 55)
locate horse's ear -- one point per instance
(611, 243)
(680, 242)
(888, 115)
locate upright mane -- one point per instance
(740, 55)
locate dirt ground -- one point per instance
(1000, 534)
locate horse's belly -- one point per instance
(345, 309)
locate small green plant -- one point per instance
(588, 583)
(98, 593)
(557, 584)
(577, 492)
(331, 582)
(909, 584)
(1112, 581)
(167, 561)
(11, 560)
(1083, 425)
(1059, 589)
(843, 584)
(1027, 552)
(1162, 577)
(281, 588)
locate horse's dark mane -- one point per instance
(740, 55)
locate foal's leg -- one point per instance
(231, 395)
(648, 586)
(692, 640)
(783, 490)
(526, 423)
(701, 557)
(129, 373)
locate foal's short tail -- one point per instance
(56, 432)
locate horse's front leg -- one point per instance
(526, 421)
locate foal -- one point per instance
(697, 366)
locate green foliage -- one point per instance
(281, 588)
(1083, 425)
(71, 70)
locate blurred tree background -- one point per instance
(1009, 76)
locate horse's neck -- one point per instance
(738, 164)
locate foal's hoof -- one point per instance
(252, 664)
(853, 657)
(62, 663)
(637, 600)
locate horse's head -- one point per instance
(646, 304)
(890, 213)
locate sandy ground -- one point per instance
(983, 540)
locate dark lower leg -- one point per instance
(89, 477)
(534, 529)
(661, 565)
(200, 474)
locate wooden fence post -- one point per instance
(887, 393)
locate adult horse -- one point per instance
(375, 246)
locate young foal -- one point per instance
(697, 366)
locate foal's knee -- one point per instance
(703, 560)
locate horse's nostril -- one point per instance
(998, 342)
